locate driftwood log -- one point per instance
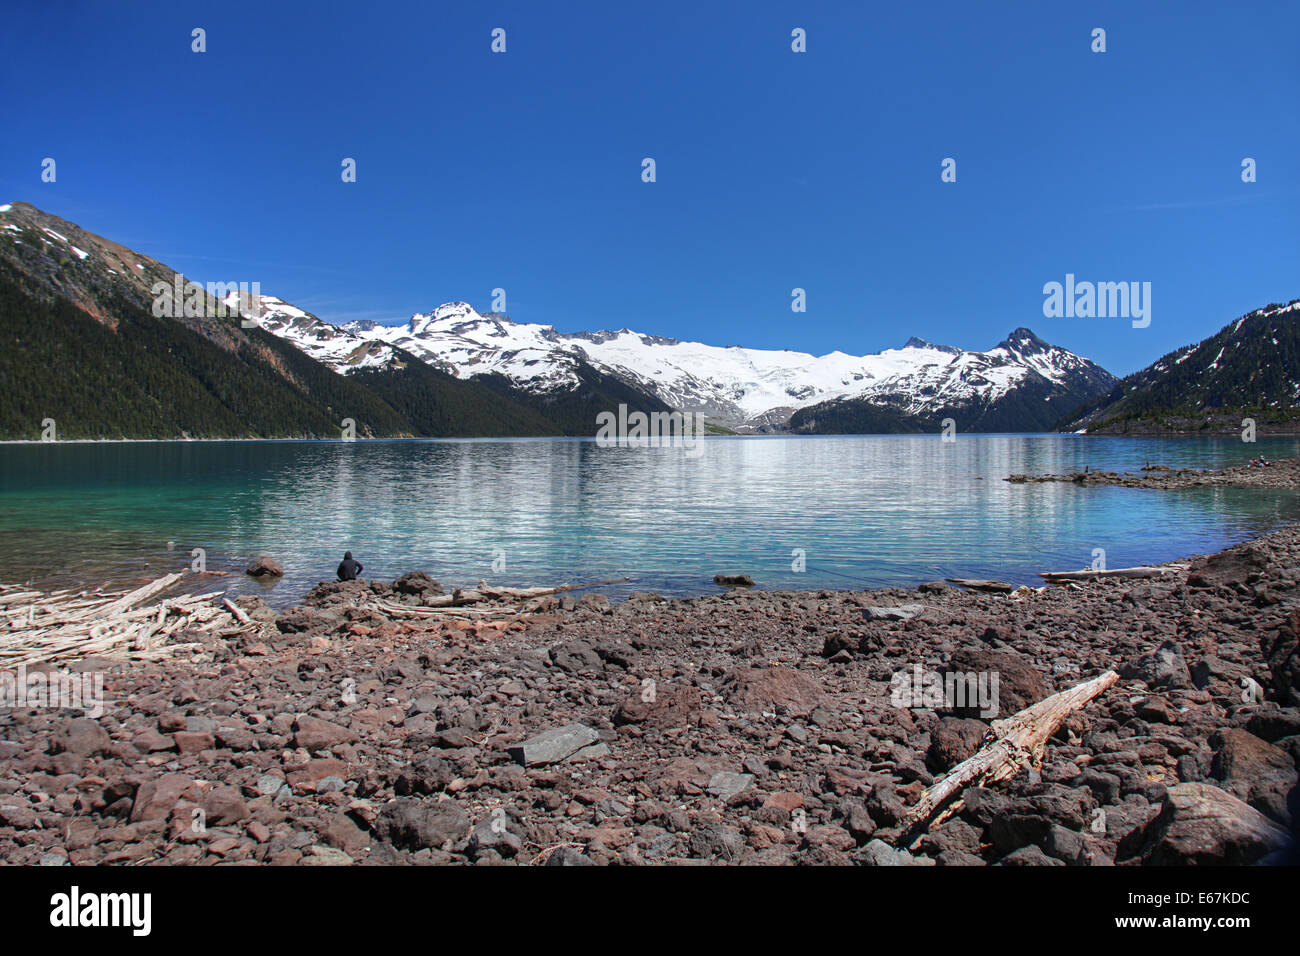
(1120, 573)
(1011, 744)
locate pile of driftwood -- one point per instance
(45, 627)
(486, 603)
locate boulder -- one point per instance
(312, 733)
(413, 823)
(554, 745)
(1019, 683)
(1255, 771)
(733, 580)
(659, 707)
(1165, 667)
(1201, 825)
(953, 740)
(83, 737)
(264, 567)
(1227, 568)
(772, 689)
(416, 582)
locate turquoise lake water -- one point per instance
(865, 511)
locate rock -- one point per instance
(1165, 667)
(724, 785)
(83, 737)
(1028, 856)
(1255, 771)
(1201, 825)
(269, 784)
(880, 853)
(223, 806)
(576, 658)
(660, 707)
(772, 689)
(264, 567)
(953, 740)
(1227, 568)
(978, 584)
(417, 582)
(343, 833)
(1019, 684)
(553, 745)
(568, 856)
(1218, 676)
(904, 612)
(188, 742)
(155, 799)
(1283, 654)
(733, 580)
(1272, 722)
(495, 834)
(414, 823)
(1155, 710)
(326, 856)
(427, 774)
(715, 840)
(312, 733)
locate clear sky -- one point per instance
(820, 170)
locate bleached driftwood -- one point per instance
(1011, 744)
(38, 627)
(1121, 573)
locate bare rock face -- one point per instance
(772, 689)
(1201, 825)
(264, 567)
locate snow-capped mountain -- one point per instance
(536, 378)
(740, 388)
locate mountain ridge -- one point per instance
(532, 377)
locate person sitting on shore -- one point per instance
(350, 568)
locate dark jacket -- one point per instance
(349, 569)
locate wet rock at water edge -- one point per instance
(733, 580)
(264, 567)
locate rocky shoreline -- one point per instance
(1283, 473)
(747, 727)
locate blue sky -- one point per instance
(775, 170)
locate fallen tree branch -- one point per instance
(1015, 741)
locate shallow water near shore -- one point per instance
(869, 511)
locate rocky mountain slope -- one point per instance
(1248, 369)
(86, 349)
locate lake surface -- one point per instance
(865, 511)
